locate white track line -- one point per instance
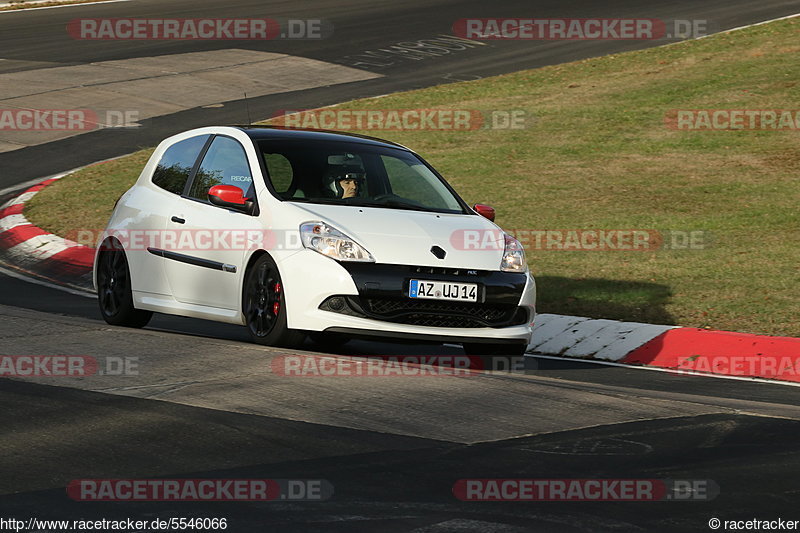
(667, 370)
(55, 7)
(20, 186)
(756, 24)
(30, 183)
(22, 277)
(732, 29)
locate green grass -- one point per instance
(599, 155)
(85, 199)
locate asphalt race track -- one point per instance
(203, 403)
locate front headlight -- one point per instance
(327, 240)
(513, 256)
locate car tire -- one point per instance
(264, 306)
(114, 294)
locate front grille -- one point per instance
(431, 313)
(489, 313)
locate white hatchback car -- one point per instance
(297, 232)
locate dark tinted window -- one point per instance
(177, 162)
(350, 173)
(225, 163)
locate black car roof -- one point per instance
(278, 132)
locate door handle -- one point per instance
(178, 220)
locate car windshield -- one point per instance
(357, 174)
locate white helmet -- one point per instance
(337, 173)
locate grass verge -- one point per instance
(599, 156)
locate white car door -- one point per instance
(204, 261)
(147, 209)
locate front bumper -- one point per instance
(376, 302)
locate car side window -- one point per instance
(176, 164)
(225, 163)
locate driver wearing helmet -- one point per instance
(344, 181)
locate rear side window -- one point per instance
(225, 163)
(176, 164)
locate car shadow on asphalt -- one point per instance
(631, 301)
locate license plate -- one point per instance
(443, 290)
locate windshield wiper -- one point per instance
(397, 205)
(325, 201)
(391, 204)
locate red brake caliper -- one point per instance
(276, 307)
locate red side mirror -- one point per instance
(485, 211)
(231, 197)
(226, 195)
